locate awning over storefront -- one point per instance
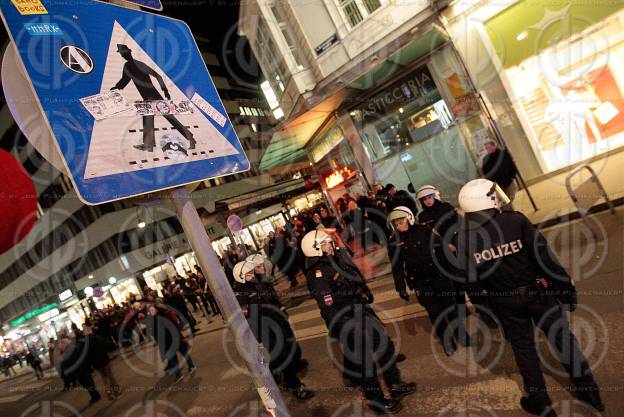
(264, 194)
(287, 146)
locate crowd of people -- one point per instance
(482, 251)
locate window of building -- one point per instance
(270, 56)
(355, 11)
(281, 19)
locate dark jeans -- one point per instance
(173, 365)
(439, 298)
(85, 380)
(38, 370)
(368, 351)
(519, 315)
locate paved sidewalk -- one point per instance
(552, 198)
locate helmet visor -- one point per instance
(401, 221)
(501, 197)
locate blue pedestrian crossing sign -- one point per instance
(126, 95)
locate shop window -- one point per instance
(408, 111)
(271, 57)
(571, 91)
(281, 18)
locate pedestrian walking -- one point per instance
(511, 260)
(76, 366)
(343, 299)
(499, 167)
(164, 327)
(98, 349)
(33, 360)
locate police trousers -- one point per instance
(368, 352)
(519, 315)
(274, 332)
(439, 298)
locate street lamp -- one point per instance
(112, 280)
(88, 291)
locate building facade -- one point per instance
(408, 92)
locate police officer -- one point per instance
(343, 299)
(437, 214)
(444, 219)
(415, 252)
(269, 323)
(527, 286)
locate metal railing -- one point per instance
(588, 193)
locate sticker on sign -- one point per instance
(148, 121)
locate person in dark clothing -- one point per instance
(269, 323)
(207, 294)
(98, 349)
(284, 256)
(343, 299)
(402, 198)
(502, 252)
(437, 214)
(499, 167)
(76, 365)
(164, 327)
(415, 252)
(177, 302)
(35, 363)
(328, 220)
(443, 218)
(139, 73)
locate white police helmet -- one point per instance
(401, 212)
(426, 190)
(255, 259)
(481, 194)
(241, 269)
(311, 243)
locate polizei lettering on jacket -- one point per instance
(504, 249)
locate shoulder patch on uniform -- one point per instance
(328, 300)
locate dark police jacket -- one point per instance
(507, 252)
(416, 256)
(443, 218)
(261, 307)
(337, 286)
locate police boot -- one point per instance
(591, 397)
(402, 389)
(537, 406)
(385, 406)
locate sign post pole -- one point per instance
(245, 341)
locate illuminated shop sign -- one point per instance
(32, 314)
(338, 177)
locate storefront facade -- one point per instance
(550, 73)
(335, 163)
(422, 125)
